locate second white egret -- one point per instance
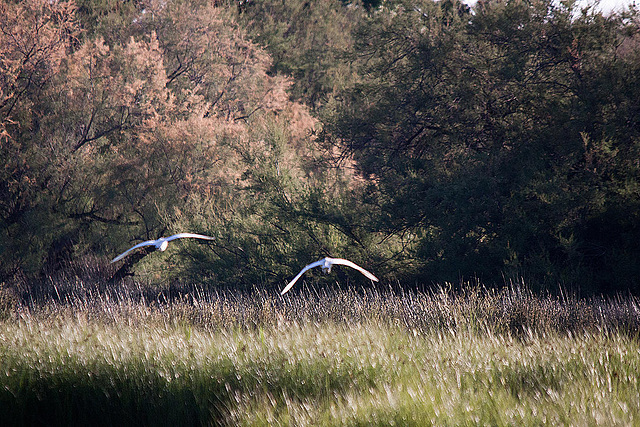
(326, 264)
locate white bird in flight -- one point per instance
(161, 244)
(326, 264)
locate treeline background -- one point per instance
(428, 141)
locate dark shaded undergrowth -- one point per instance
(514, 308)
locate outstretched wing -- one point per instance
(139, 245)
(353, 265)
(295, 279)
(182, 235)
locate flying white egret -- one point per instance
(161, 244)
(326, 264)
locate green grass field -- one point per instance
(465, 357)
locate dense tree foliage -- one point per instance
(503, 141)
(308, 41)
(121, 132)
(493, 142)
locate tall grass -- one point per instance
(131, 355)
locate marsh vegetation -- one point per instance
(319, 356)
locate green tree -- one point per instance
(307, 40)
(475, 130)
